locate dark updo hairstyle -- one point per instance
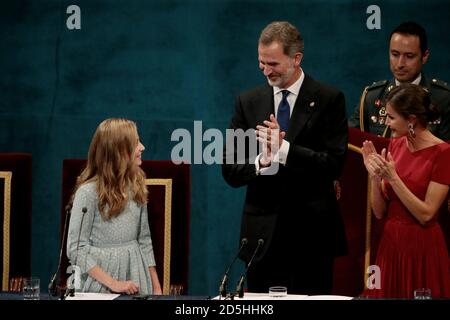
(410, 99)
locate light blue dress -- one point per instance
(121, 246)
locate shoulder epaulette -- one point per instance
(377, 84)
(439, 83)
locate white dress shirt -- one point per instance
(416, 81)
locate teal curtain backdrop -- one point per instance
(165, 64)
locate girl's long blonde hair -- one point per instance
(111, 163)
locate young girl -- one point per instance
(109, 235)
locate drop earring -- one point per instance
(411, 131)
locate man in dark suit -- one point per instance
(290, 202)
(408, 52)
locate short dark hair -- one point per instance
(414, 29)
(411, 99)
(286, 34)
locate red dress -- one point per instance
(411, 255)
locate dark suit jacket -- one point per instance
(298, 202)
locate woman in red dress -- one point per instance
(409, 184)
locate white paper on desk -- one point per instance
(328, 297)
(93, 296)
(265, 296)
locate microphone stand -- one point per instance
(223, 284)
(240, 286)
(53, 288)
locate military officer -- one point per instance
(408, 52)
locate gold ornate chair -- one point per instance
(169, 209)
(15, 218)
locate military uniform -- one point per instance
(373, 110)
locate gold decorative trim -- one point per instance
(361, 109)
(368, 230)
(7, 176)
(354, 148)
(167, 183)
(368, 219)
(385, 132)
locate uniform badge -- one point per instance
(382, 117)
(390, 87)
(374, 119)
(436, 122)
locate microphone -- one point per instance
(73, 282)
(240, 286)
(52, 286)
(223, 284)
